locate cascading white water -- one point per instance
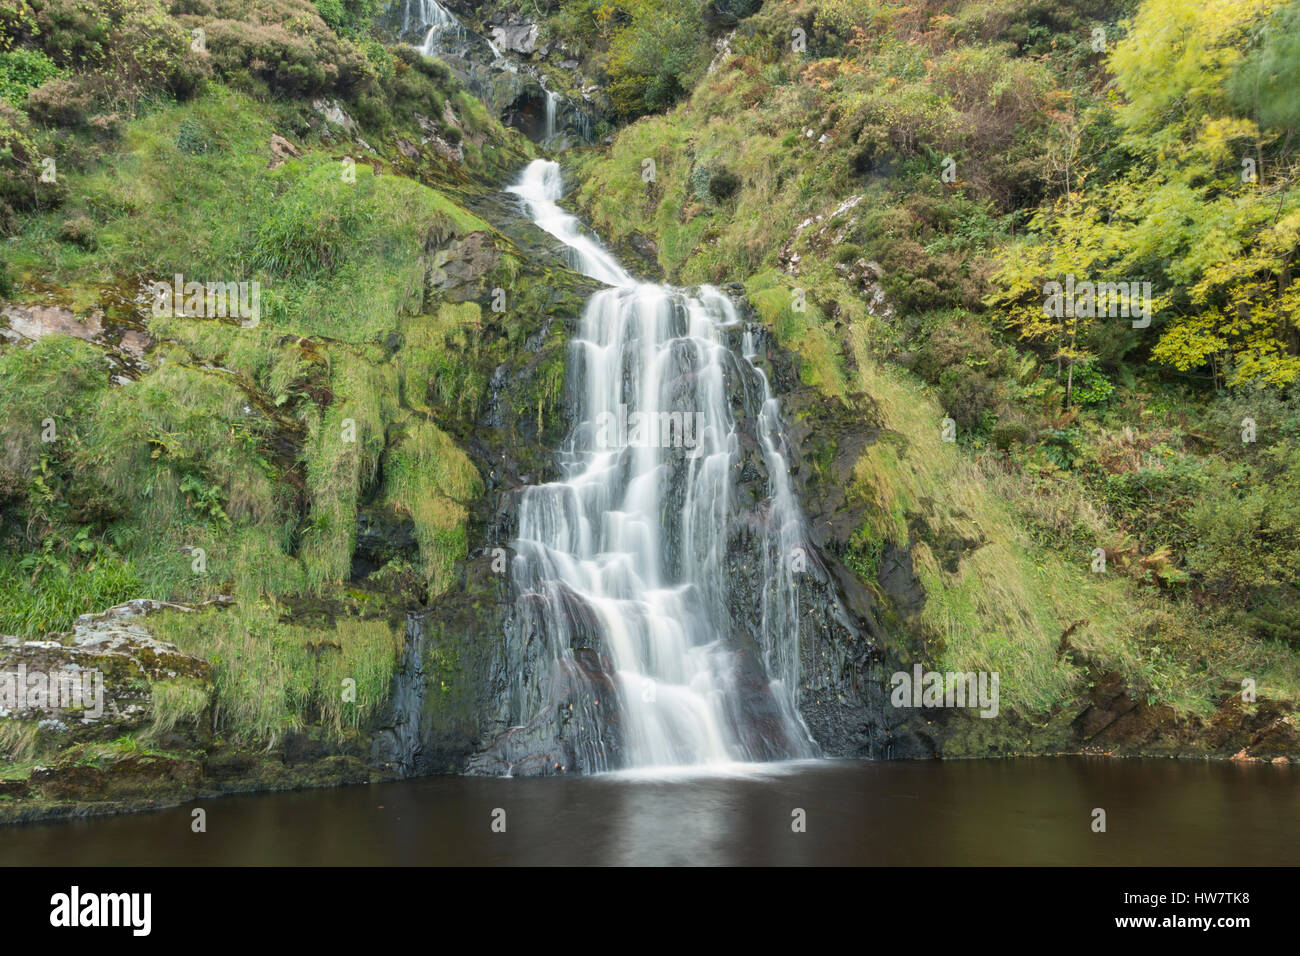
(440, 22)
(632, 544)
(552, 101)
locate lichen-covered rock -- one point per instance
(516, 36)
(97, 678)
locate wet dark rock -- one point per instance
(383, 536)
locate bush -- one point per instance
(347, 17)
(107, 126)
(652, 59)
(967, 394)
(284, 44)
(19, 169)
(1246, 525)
(958, 340)
(65, 102)
(22, 70)
(723, 184)
(79, 231)
(123, 49)
(1008, 433)
(435, 70)
(1091, 387)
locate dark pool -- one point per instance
(997, 812)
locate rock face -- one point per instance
(97, 680)
(83, 692)
(455, 270)
(127, 344)
(35, 322)
(845, 653)
(332, 112)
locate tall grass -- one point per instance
(802, 331)
(431, 479)
(342, 460)
(271, 677)
(36, 603)
(177, 702)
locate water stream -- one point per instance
(440, 22)
(627, 554)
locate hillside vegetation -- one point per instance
(176, 455)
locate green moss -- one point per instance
(429, 478)
(342, 460)
(271, 676)
(800, 326)
(433, 361)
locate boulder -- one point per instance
(516, 37)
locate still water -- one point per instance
(994, 812)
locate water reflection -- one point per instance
(1012, 812)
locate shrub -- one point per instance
(284, 44)
(1008, 433)
(967, 394)
(434, 69)
(123, 48)
(22, 70)
(61, 102)
(1091, 387)
(19, 171)
(107, 125)
(1246, 524)
(723, 184)
(79, 231)
(958, 340)
(651, 59)
(347, 17)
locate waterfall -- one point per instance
(495, 77)
(440, 22)
(552, 98)
(631, 555)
